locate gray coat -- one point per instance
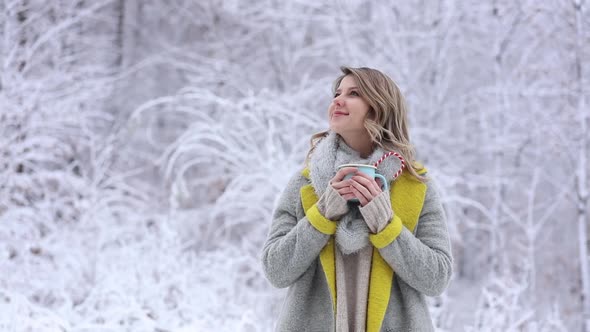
(421, 260)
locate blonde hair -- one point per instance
(387, 118)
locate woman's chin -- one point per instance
(335, 125)
(334, 129)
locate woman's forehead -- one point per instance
(347, 81)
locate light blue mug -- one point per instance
(371, 171)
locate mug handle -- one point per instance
(385, 185)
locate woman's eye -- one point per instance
(352, 93)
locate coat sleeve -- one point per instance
(424, 260)
(292, 245)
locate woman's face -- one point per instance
(348, 110)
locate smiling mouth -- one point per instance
(339, 113)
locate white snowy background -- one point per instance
(144, 143)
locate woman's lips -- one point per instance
(339, 113)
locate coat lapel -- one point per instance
(407, 197)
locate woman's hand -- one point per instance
(332, 203)
(364, 187)
(344, 187)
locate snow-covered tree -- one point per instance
(145, 143)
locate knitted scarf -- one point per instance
(352, 233)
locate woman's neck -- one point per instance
(360, 143)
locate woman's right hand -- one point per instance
(343, 187)
(332, 204)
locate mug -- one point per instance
(370, 170)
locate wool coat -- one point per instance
(411, 258)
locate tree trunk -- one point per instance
(581, 173)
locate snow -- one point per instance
(144, 145)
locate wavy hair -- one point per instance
(387, 118)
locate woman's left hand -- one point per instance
(364, 187)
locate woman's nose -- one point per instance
(338, 102)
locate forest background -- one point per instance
(144, 144)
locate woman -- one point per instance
(363, 266)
